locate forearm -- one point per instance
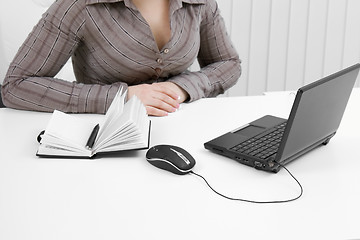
(46, 94)
(30, 83)
(211, 80)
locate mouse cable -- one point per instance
(252, 201)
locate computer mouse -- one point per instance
(170, 158)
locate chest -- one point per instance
(121, 43)
(158, 20)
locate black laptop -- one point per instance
(314, 119)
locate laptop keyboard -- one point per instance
(263, 145)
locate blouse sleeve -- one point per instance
(30, 84)
(218, 59)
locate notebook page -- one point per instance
(115, 110)
(70, 129)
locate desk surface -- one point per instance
(125, 197)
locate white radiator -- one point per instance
(285, 44)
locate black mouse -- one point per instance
(171, 158)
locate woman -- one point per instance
(145, 46)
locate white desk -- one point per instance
(127, 198)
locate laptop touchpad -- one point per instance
(249, 130)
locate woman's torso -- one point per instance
(118, 45)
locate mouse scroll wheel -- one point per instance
(181, 156)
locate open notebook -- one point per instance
(126, 126)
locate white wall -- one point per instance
(283, 44)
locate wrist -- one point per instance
(183, 95)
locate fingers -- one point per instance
(175, 91)
(158, 100)
(164, 103)
(166, 96)
(152, 111)
(166, 89)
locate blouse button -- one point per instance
(166, 50)
(158, 70)
(159, 60)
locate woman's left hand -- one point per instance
(159, 98)
(183, 95)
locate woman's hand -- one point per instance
(181, 93)
(159, 98)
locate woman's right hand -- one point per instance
(158, 99)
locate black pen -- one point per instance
(91, 141)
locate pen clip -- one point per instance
(39, 137)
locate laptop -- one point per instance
(314, 119)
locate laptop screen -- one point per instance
(316, 113)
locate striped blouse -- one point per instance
(111, 45)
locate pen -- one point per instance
(91, 141)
